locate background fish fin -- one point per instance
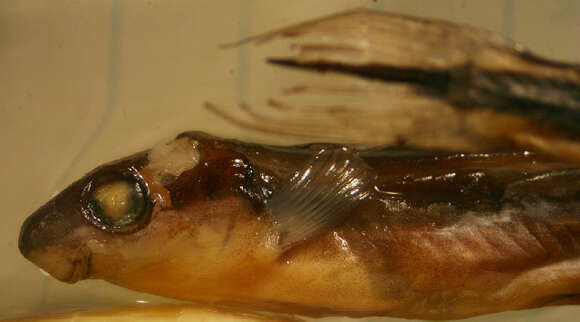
(363, 36)
(320, 196)
(375, 116)
(389, 79)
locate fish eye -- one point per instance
(117, 204)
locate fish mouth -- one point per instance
(41, 243)
(80, 270)
(62, 263)
(47, 239)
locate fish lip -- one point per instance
(47, 239)
(79, 271)
(80, 266)
(69, 268)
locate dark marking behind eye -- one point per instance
(222, 171)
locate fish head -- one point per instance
(111, 198)
(178, 202)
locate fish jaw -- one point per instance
(43, 240)
(62, 263)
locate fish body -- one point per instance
(438, 235)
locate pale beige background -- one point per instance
(84, 82)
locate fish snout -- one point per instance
(46, 240)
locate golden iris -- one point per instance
(116, 205)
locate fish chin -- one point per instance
(62, 263)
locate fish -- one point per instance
(320, 229)
(403, 223)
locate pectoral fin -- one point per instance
(320, 196)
